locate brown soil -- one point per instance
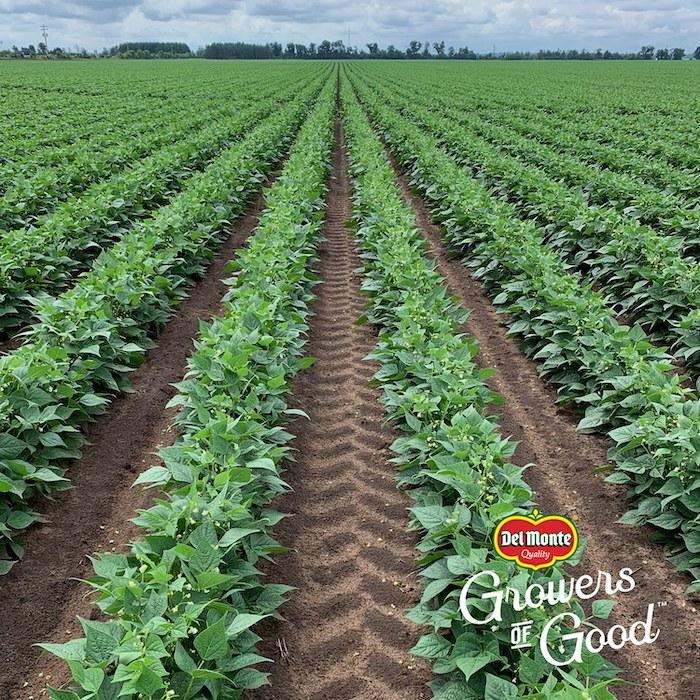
(44, 589)
(563, 477)
(345, 636)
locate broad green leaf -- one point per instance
(211, 643)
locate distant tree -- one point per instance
(696, 53)
(373, 49)
(31, 50)
(647, 53)
(426, 50)
(465, 53)
(413, 49)
(241, 50)
(393, 52)
(451, 52)
(677, 54)
(324, 49)
(41, 48)
(312, 50)
(338, 49)
(289, 51)
(439, 49)
(662, 55)
(301, 50)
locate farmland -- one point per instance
(283, 342)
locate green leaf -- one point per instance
(211, 643)
(89, 679)
(432, 646)
(250, 678)
(20, 519)
(243, 622)
(91, 350)
(154, 476)
(212, 579)
(183, 660)
(149, 682)
(10, 446)
(602, 608)
(692, 541)
(156, 605)
(100, 641)
(469, 665)
(530, 671)
(70, 651)
(262, 463)
(208, 673)
(667, 521)
(92, 400)
(45, 475)
(234, 535)
(499, 688)
(55, 694)
(51, 440)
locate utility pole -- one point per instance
(45, 34)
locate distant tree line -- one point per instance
(144, 49)
(150, 49)
(649, 53)
(424, 50)
(41, 51)
(331, 49)
(337, 50)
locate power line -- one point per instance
(45, 34)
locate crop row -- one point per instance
(643, 126)
(637, 169)
(481, 109)
(451, 457)
(45, 177)
(181, 604)
(625, 383)
(629, 195)
(41, 116)
(643, 272)
(577, 140)
(34, 188)
(87, 340)
(46, 135)
(46, 258)
(642, 131)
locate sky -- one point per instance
(480, 24)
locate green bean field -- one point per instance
(285, 343)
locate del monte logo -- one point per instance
(544, 609)
(535, 541)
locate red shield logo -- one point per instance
(536, 541)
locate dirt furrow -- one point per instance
(43, 590)
(564, 480)
(351, 559)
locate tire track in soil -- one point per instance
(344, 635)
(563, 479)
(42, 591)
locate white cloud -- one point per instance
(511, 24)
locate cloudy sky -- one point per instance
(479, 24)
